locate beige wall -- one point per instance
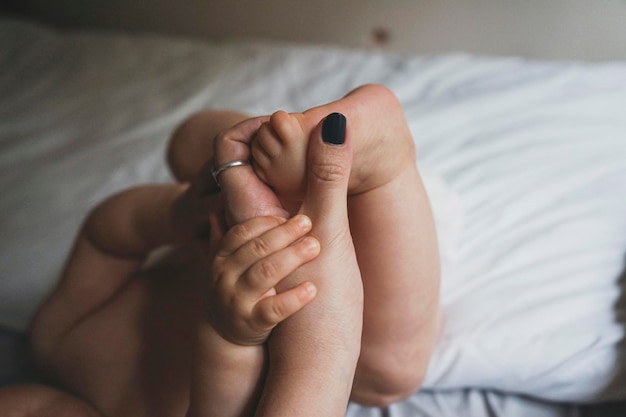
(558, 29)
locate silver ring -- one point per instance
(216, 171)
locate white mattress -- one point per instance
(525, 163)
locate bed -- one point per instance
(524, 162)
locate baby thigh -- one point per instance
(396, 246)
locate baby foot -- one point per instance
(383, 145)
(279, 154)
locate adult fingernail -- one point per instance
(334, 129)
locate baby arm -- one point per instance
(243, 307)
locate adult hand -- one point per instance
(244, 195)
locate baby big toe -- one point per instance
(289, 127)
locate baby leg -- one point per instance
(392, 227)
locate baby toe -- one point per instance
(289, 127)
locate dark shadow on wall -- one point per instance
(13, 6)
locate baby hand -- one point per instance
(252, 258)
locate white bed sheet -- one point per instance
(525, 163)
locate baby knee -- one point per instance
(380, 383)
(178, 143)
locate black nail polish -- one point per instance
(334, 129)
